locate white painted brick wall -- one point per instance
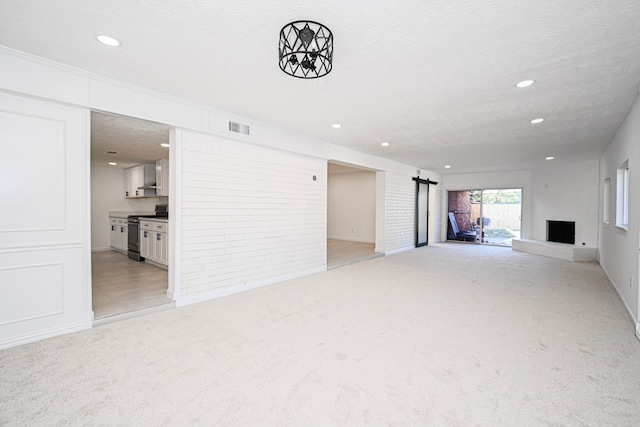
(400, 212)
(567, 193)
(249, 214)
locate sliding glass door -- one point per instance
(488, 216)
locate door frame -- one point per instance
(482, 189)
(428, 182)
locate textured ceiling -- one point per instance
(135, 141)
(435, 79)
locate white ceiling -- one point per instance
(135, 141)
(435, 78)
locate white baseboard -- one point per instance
(396, 251)
(108, 248)
(156, 264)
(234, 289)
(41, 335)
(351, 239)
(635, 321)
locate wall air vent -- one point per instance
(110, 152)
(239, 128)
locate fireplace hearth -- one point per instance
(561, 231)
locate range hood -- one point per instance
(148, 187)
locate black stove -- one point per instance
(133, 222)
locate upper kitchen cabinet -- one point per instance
(162, 177)
(139, 180)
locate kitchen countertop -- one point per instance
(125, 214)
(165, 220)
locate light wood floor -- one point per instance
(121, 285)
(344, 252)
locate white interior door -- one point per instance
(44, 269)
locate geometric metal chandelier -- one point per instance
(306, 49)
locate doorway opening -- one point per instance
(351, 215)
(129, 179)
(485, 216)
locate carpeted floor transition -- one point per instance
(455, 335)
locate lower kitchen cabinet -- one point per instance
(146, 244)
(154, 241)
(118, 234)
(161, 253)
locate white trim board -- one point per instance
(223, 292)
(634, 321)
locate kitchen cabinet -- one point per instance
(161, 253)
(162, 177)
(118, 234)
(139, 176)
(147, 243)
(154, 241)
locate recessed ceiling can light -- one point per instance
(447, 166)
(112, 163)
(336, 125)
(525, 83)
(536, 121)
(385, 144)
(164, 144)
(550, 158)
(108, 41)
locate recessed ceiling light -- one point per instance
(525, 83)
(336, 125)
(550, 158)
(385, 144)
(112, 163)
(108, 41)
(447, 166)
(536, 121)
(164, 144)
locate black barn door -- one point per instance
(422, 210)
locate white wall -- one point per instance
(300, 248)
(44, 236)
(106, 195)
(618, 248)
(435, 213)
(249, 216)
(351, 210)
(475, 181)
(566, 193)
(399, 212)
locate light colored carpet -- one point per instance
(454, 335)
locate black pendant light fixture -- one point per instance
(306, 49)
